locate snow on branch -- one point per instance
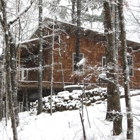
(82, 62)
(35, 39)
(11, 21)
(33, 68)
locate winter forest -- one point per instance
(69, 69)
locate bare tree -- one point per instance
(73, 11)
(125, 71)
(52, 71)
(40, 55)
(77, 49)
(2, 75)
(13, 64)
(113, 94)
(10, 64)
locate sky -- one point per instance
(132, 17)
(131, 13)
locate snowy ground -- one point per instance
(67, 126)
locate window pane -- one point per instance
(130, 71)
(103, 64)
(75, 67)
(129, 60)
(103, 61)
(130, 64)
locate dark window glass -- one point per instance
(129, 60)
(103, 64)
(103, 61)
(130, 64)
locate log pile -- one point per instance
(72, 100)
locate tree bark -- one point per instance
(113, 93)
(78, 38)
(40, 56)
(13, 63)
(125, 71)
(83, 127)
(2, 92)
(8, 68)
(52, 73)
(73, 11)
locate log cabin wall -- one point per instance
(135, 79)
(92, 51)
(91, 46)
(133, 51)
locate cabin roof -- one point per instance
(67, 28)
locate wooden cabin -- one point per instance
(59, 45)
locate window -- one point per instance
(23, 74)
(129, 61)
(75, 67)
(130, 64)
(102, 76)
(103, 64)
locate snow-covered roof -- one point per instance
(87, 32)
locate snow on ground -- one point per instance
(67, 126)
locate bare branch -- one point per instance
(35, 39)
(1, 21)
(20, 13)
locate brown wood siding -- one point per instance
(135, 79)
(92, 50)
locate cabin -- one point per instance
(59, 45)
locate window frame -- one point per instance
(130, 66)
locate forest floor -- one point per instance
(66, 125)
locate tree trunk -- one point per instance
(2, 85)
(1, 104)
(113, 94)
(14, 76)
(61, 65)
(40, 54)
(78, 38)
(8, 68)
(83, 127)
(125, 71)
(73, 11)
(52, 69)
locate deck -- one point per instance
(45, 84)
